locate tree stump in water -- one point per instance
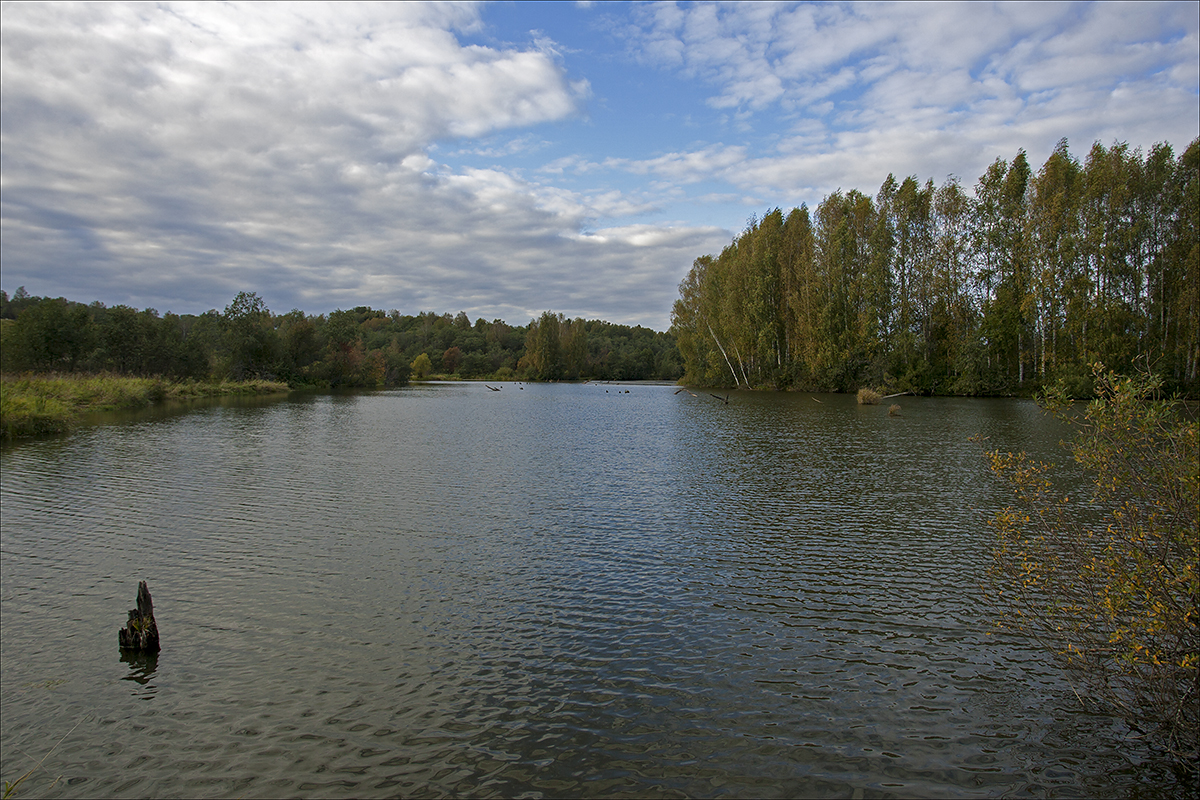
(141, 633)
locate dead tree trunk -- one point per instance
(141, 632)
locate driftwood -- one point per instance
(493, 388)
(140, 634)
(897, 394)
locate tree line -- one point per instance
(1025, 282)
(361, 347)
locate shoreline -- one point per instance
(34, 405)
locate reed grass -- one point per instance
(868, 397)
(39, 404)
(11, 788)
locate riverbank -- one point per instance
(38, 404)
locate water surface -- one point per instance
(551, 590)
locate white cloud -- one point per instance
(572, 163)
(188, 151)
(171, 155)
(497, 149)
(689, 166)
(924, 89)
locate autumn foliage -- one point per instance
(1110, 584)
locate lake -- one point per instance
(545, 591)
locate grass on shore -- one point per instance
(37, 404)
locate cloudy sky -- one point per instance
(504, 159)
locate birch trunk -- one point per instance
(723, 353)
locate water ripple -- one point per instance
(558, 591)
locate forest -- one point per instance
(1025, 282)
(361, 347)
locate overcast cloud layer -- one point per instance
(504, 160)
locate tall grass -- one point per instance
(868, 397)
(38, 404)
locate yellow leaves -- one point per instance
(1117, 602)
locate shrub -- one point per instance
(27, 415)
(1116, 601)
(868, 397)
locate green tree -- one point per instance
(21, 299)
(799, 293)
(1001, 250)
(373, 369)
(932, 290)
(1182, 281)
(343, 364)
(475, 365)
(1160, 205)
(697, 344)
(181, 355)
(421, 366)
(844, 340)
(1054, 239)
(119, 338)
(51, 334)
(205, 332)
(299, 345)
(1117, 601)
(1109, 231)
(955, 316)
(543, 347)
(398, 370)
(765, 307)
(250, 337)
(911, 342)
(575, 349)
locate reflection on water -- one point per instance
(141, 671)
(548, 591)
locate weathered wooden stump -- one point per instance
(140, 634)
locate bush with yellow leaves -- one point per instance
(1116, 599)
